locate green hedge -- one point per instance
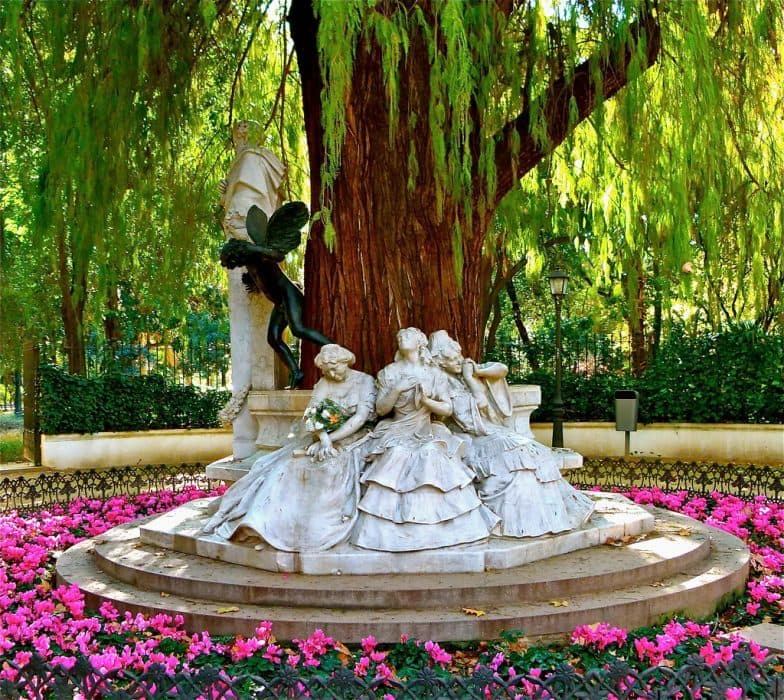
(736, 376)
(114, 402)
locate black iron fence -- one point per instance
(11, 391)
(742, 480)
(584, 355)
(48, 488)
(205, 361)
(742, 677)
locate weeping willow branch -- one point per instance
(579, 89)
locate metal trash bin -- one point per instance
(626, 408)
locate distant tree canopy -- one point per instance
(448, 142)
(114, 132)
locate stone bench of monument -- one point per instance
(276, 412)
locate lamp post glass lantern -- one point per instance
(559, 281)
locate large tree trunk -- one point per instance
(71, 308)
(393, 264)
(637, 314)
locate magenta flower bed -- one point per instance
(36, 617)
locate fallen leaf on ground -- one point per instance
(559, 603)
(164, 594)
(471, 611)
(521, 645)
(344, 654)
(684, 532)
(223, 611)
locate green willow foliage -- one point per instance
(687, 156)
(114, 132)
(114, 115)
(692, 174)
(482, 62)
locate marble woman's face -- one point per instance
(452, 361)
(408, 340)
(334, 368)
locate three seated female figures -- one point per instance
(439, 469)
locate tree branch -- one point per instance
(555, 102)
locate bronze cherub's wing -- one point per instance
(257, 225)
(284, 227)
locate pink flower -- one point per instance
(383, 671)
(245, 648)
(498, 659)
(734, 694)
(273, 653)
(369, 643)
(438, 655)
(362, 666)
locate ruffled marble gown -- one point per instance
(419, 494)
(519, 478)
(294, 503)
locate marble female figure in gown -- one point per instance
(418, 491)
(303, 497)
(519, 478)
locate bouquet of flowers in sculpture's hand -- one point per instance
(325, 415)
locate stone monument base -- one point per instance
(680, 567)
(180, 530)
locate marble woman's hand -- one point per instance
(324, 448)
(312, 451)
(325, 453)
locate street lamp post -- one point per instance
(558, 283)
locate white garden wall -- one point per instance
(69, 452)
(722, 442)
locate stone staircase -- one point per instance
(681, 566)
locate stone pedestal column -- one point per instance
(253, 180)
(252, 358)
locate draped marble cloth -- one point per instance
(294, 503)
(519, 478)
(419, 494)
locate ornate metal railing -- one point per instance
(48, 488)
(743, 480)
(743, 677)
(42, 490)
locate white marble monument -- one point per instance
(443, 479)
(254, 178)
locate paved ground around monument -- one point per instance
(767, 635)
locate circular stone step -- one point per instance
(120, 554)
(688, 568)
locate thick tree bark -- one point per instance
(71, 309)
(393, 264)
(637, 313)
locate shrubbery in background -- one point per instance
(73, 404)
(735, 376)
